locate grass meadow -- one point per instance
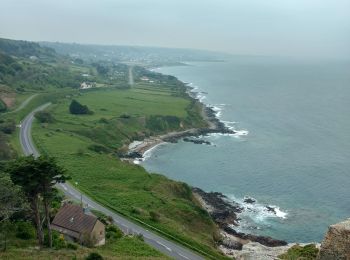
(128, 189)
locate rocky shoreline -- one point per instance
(136, 152)
(224, 213)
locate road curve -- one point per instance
(24, 103)
(165, 246)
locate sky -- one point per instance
(319, 28)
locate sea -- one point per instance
(291, 150)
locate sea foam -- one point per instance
(257, 215)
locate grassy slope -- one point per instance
(124, 248)
(121, 186)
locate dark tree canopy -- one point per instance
(78, 109)
(37, 177)
(11, 197)
(44, 117)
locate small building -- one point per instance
(76, 225)
(87, 85)
(144, 78)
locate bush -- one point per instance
(154, 216)
(72, 246)
(159, 123)
(98, 148)
(140, 237)
(8, 127)
(308, 252)
(125, 116)
(106, 220)
(3, 106)
(136, 211)
(25, 230)
(94, 256)
(59, 242)
(44, 117)
(113, 232)
(76, 108)
(103, 120)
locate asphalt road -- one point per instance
(24, 103)
(165, 246)
(131, 77)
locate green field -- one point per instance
(89, 146)
(121, 186)
(127, 247)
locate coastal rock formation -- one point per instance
(263, 240)
(256, 251)
(224, 213)
(219, 208)
(196, 141)
(249, 200)
(336, 244)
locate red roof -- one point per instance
(73, 218)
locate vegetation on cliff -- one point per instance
(88, 146)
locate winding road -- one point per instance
(167, 247)
(24, 103)
(131, 76)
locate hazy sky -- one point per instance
(268, 27)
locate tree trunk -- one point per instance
(39, 231)
(47, 214)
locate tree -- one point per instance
(101, 69)
(11, 201)
(49, 174)
(37, 178)
(44, 117)
(11, 198)
(78, 109)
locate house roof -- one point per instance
(73, 218)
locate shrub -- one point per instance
(217, 237)
(3, 106)
(136, 211)
(113, 232)
(8, 127)
(78, 109)
(80, 151)
(159, 123)
(154, 216)
(98, 148)
(72, 246)
(125, 116)
(94, 256)
(25, 230)
(103, 120)
(44, 117)
(308, 252)
(59, 242)
(140, 237)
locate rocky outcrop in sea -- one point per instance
(224, 212)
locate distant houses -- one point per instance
(78, 226)
(146, 79)
(87, 85)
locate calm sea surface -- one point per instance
(293, 146)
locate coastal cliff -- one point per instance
(335, 246)
(336, 243)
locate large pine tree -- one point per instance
(37, 177)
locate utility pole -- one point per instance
(81, 196)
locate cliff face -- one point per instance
(336, 244)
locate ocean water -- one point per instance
(292, 149)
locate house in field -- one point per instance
(87, 85)
(76, 225)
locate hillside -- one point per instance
(88, 146)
